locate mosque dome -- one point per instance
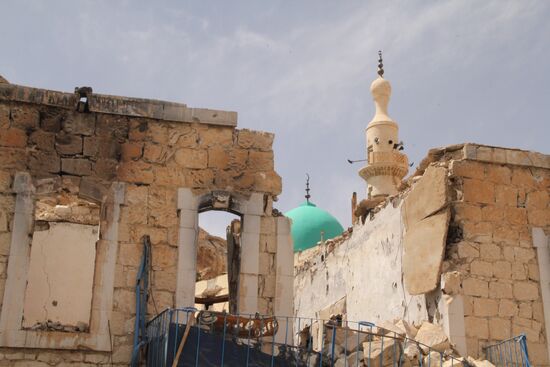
(308, 221)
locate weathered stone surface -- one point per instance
(381, 353)
(433, 336)
(191, 158)
(77, 166)
(211, 256)
(424, 243)
(427, 197)
(66, 144)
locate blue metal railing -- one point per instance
(510, 352)
(217, 339)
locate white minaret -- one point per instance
(386, 165)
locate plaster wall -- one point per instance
(61, 274)
(365, 269)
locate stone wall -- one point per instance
(490, 200)
(132, 157)
(501, 195)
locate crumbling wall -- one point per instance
(131, 156)
(500, 196)
(364, 269)
(459, 238)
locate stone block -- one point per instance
(499, 174)
(269, 182)
(217, 136)
(475, 287)
(92, 189)
(451, 283)
(484, 307)
(490, 251)
(538, 199)
(492, 213)
(468, 212)
(502, 270)
(255, 139)
(432, 336)
(12, 137)
(25, 116)
(218, 158)
(523, 178)
(480, 267)
(539, 217)
(469, 169)
(516, 216)
(506, 195)
(507, 308)
(468, 250)
(112, 126)
(428, 196)
(191, 158)
(135, 172)
(156, 153)
(505, 234)
(476, 327)
(526, 291)
(76, 166)
(66, 144)
(42, 140)
(131, 151)
(525, 310)
(260, 161)
(44, 162)
(424, 243)
(478, 191)
(79, 123)
(524, 255)
(381, 353)
(500, 290)
(519, 271)
(481, 232)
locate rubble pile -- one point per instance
(390, 343)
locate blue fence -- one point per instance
(511, 352)
(185, 337)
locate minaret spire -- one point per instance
(307, 188)
(380, 65)
(386, 165)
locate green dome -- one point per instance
(307, 223)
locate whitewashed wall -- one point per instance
(366, 269)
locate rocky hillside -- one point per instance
(211, 256)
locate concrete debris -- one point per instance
(390, 344)
(432, 336)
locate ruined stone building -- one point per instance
(462, 243)
(96, 189)
(85, 178)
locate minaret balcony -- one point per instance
(385, 164)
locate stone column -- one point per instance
(187, 248)
(542, 242)
(18, 261)
(284, 288)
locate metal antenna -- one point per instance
(380, 65)
(307, 188)
(355, 161)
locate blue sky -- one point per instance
(461, 71)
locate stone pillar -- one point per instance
(284, 288)
(250, 255)
(542, 243)
(18, 261)
(187, 248)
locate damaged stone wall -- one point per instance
(131, 156)
(364, 269)
(454, 247)
(501, 195)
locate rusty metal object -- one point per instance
(239, 326)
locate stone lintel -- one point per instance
(126, 106)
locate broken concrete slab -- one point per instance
(427, 197)
(432, 336)
(423, 250)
